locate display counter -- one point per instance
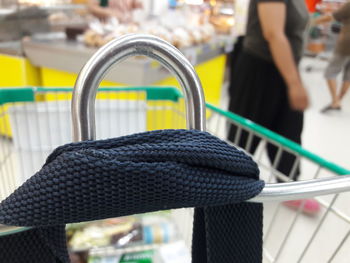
(60, 60)
(55, 62)
(16, 70)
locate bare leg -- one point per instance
(332, 85)
(344, 89)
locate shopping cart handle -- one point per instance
(303, 189)
(116, 51)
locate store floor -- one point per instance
(325, 134)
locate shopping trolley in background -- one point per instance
(33, 121)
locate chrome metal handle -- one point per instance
(84, 94)
(303, 189)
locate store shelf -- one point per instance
(70, 56)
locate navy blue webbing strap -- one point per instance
(134, 174)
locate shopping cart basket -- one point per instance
(34, 121)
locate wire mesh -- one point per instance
(291, 235)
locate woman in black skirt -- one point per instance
(265, 84)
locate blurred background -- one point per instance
(45, 43)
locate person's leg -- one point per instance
(344, 89)
(346, 81)
(334, 67)
(332, 86)
(237, 81)
(289, 124)
(254, 98)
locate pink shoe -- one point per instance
(311, 206)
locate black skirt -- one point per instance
(259, 93)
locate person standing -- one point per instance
(340, 60)
(266, 86)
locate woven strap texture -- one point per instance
(39, 245)
(141, 173)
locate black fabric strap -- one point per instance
(140, 173)
(38, 245)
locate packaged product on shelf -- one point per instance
(134, 257)
(158, 230)
(138, 257)
(182, 28)
(110, 239)
(117, 232)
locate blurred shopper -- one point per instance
(341, 57)
(121, 9)
(266, 86)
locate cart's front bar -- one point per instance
(303, 189)
(273, 192)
